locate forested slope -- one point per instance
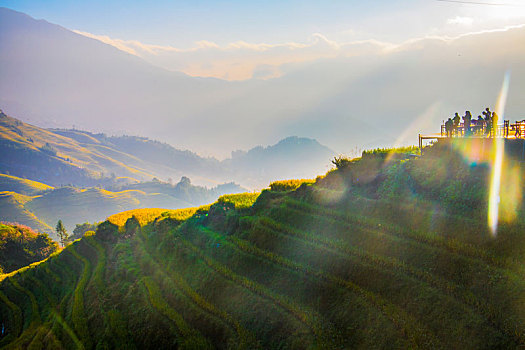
(377, 254)
(21, 246)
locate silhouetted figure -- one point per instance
(456, 121)
(488, 121)
(486, 113)
(449, 126)
(466, 122)
(479, 125)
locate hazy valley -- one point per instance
(77, 176)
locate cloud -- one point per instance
(119, 44)
(241, 60)
(463, 21)
(266, 71)
(363, 94)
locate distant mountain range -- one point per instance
(60, 157)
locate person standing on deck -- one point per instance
(479, 125)
(466, 123)
(488, 122)
(456, 120)
(486, 113)
(487, 116)
(449, 125)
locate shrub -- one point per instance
(144, 216)
(240, 200)
(132, 227)
(288, 185)
(48, 149)
(107, 231)
(394, 150)
(341, 162)
(81, 229)
(148, 215)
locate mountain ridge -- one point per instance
(95, 159)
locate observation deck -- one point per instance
(478, 130)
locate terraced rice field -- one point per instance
(288, 272)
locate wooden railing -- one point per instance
(515, 130)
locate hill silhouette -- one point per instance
(291, 157)
(383, 252)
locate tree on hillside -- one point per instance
(62, 233)
(80, 229)
(21, 246)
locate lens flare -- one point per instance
(425, 120)
(498, 146)
(510, 193)
(495, 184)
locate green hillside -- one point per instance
(74, 206)
(159, 158)
(12, 209)
(22, 186)
(384, 252)
(41, 155)
(40, 206)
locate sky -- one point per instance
(350, 74)
(239, 40)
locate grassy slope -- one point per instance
(44, 205)
(344, 263)
(75, 149)
(74, 206)
(12, 210)
(116, 152)
(22, 186)
(16, 192)
(29, 137)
